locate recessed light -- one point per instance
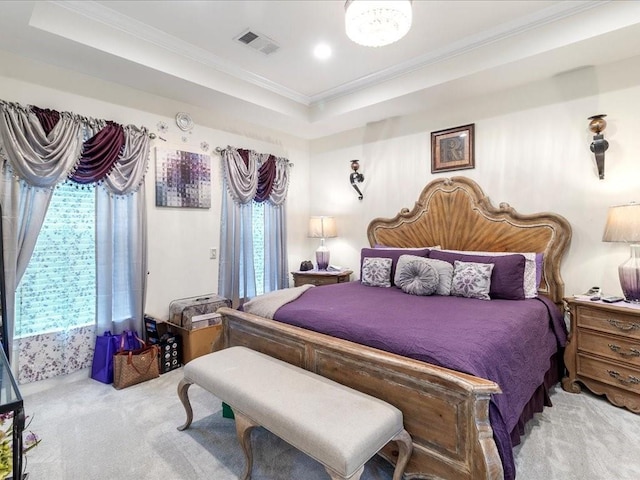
(322, 51)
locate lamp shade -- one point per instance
(376, 23)
(322, 227)
(623, 224)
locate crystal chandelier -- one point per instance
(376, 23)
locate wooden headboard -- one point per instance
(456, 214)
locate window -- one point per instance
(58, 290)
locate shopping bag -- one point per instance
(131, 340)
(135, 366)
(102, 364)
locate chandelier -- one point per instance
(376, 23)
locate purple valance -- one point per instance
(48, 118)
(99, 154)
(266, 179)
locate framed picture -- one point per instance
(452, 149)
(183, 179)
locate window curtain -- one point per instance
(121, 238)
(40, 148)
(251, 177)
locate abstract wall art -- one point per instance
(183, 179)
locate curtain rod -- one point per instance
(219, 150)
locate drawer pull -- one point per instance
(633, 352)
(631, 379)
(625, 327)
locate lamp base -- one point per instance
(629, 273)
(322, 257)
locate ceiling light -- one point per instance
(375, 23)
(322, 51)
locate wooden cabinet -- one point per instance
(603, 351)
(320, 277)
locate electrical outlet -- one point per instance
(213, 253)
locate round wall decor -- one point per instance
(184, 121)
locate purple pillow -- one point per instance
(393, 254)
(539, 268)
(507, 278)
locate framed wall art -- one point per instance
(183, 179)
(452, 149)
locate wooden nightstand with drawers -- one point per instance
(603, 351)
(320, 277)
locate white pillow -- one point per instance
(471, 280)
(529, 283)
(376, 272)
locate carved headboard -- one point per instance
(456, 214)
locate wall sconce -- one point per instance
(599, 144)
(356, 177)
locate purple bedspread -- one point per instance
(509, 342)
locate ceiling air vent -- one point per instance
(258, 41)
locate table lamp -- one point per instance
(623, 225)
(322, 227)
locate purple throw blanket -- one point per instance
(509, 342)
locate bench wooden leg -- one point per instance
(405, 449)
(183, 388)
(335, 476)
(244, 425)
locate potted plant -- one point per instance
(30, 441)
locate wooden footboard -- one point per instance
(445, 412)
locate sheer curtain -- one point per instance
(252, 177)
(41, 148)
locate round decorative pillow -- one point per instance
(418, 278)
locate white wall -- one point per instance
(179, 238)
(532, 151)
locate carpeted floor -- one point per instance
(91, 431)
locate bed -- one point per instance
(452, 411)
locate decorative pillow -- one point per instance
(507, 279)
(391, 253)
(416, 277)
(379, 246)
(532, 268)
(444, 269)
(539, 270)
(471, 280)
(376, 272)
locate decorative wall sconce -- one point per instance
(356, 177)
(599, 144)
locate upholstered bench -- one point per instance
(338, 426)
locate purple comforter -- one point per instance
(509, 342)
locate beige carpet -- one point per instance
(90, 431)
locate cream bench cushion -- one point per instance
(338, 426)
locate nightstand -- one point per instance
(603, 351)
(320, 277)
